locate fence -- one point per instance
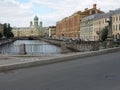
(30, 49)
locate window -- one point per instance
(113, 27)
(116, 27)
(116, 36)
(119, 26)
(113, 19)
(116, 18)
(93, 12)
(103, 22)
(113, 36)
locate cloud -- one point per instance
(12, 11)
(49, 11)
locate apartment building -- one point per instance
(69, 26)
(87, 28)
(116, 24)
(98, 24)
(22, 32)
(52, 31)
(90, 26)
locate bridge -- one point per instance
(28, 38)
(98, 72)
(65, 46)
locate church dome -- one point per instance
(35, 18)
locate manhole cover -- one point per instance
(112, 77)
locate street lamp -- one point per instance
(109, 36)
(78, 34)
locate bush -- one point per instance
(103, 34)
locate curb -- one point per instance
(68, 57)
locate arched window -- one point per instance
(118, 36)
(115, 36)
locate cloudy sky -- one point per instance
(20, 12)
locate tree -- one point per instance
(104, 33)
(1, 35)
(5, 29)
(8, 30)
(10, 34)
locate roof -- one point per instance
(21, 28)
(35, 18)
(90, 17)
(85, 12)
(102, 15)
(117, 11)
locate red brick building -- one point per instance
(69, 27)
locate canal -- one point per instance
(31, 47)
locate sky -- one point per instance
(19, 13)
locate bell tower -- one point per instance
(36, 22)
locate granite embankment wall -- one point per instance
(6, 41)
(55, 42)
(65, 48)
(73, 46)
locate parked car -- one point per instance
(117, 41)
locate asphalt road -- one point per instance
(92, 73)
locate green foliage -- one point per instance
(8, 31)
(1, 35)
(10, 34)
(103, 34)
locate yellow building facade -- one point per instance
(116, 24)
(91, 26)
(98, 24)
(52, 31)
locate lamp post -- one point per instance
(78, 35)
(109, 36)
(2, 26)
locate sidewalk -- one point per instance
(10, 60)
(22, 61)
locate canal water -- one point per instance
(31, 47)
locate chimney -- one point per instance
(110, 10)
(94, 6)
(86, 9)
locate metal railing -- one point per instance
(42, 49)
(30, 49)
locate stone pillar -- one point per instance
(109, 36)
(22, 50)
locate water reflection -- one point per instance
(32, 47)
(18, 42)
